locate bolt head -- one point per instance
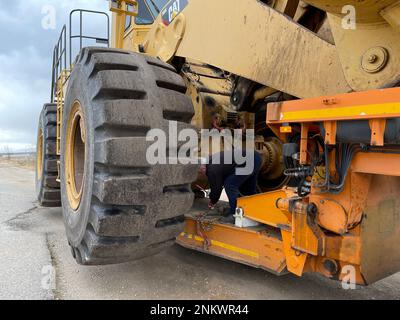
(375, 59)
(372, 58)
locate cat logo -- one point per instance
(172, 10)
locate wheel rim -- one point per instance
(39, 154)
(75, 155)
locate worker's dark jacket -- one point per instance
(217, 172)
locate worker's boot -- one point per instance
(230, 219)
(224, 211)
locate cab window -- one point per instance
(144, 16)
(156, 6)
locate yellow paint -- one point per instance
(262, 208)
(367, 10)
(392, 15)
(229, 38)
(223, 245)
(286, 129)
(75, 123)
(386, 109)
(39, 154)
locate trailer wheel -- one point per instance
(47, 186)
(116, 206)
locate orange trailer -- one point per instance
(347, 225)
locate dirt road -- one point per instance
(32, 244)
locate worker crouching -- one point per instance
(237, 172)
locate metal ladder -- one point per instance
(62, 68)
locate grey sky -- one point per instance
(25, 63)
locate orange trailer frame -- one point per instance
(351, 236)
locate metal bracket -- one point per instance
(121, 7)
(330, 132)
(304, 143)
(378, 127)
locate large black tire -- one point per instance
(129, 209)
(47, 186)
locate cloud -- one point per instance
(25, 59)
(10, 141)
(24, 87)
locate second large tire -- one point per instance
(128, 209)
(47, 186)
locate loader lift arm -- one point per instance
(257, 42)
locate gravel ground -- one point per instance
(33, 249)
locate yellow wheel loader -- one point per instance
(316, 81)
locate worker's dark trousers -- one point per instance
(245, 185)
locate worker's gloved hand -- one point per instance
(211, 205)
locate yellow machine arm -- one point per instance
(260, 43)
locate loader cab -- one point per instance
(136, 28)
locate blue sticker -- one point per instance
(172, 10)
